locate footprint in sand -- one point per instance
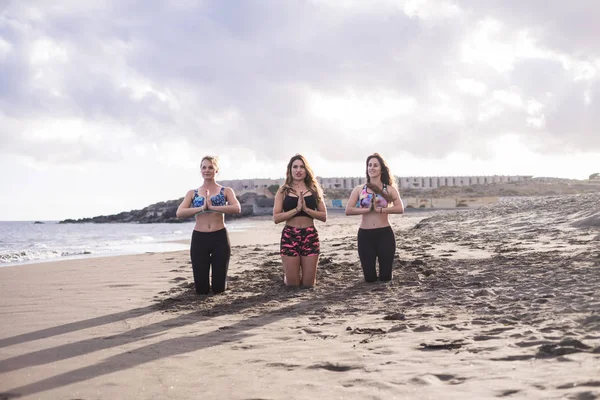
(579, 384)
(507, 393)
(287, 367)
(335, 367)
(453, 345)
(367, 331)
(424, 328)
(436, 379)
(566, 346)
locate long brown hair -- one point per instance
(386, 177)
(309, 180)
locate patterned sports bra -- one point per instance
(216, 200)
(365, 198)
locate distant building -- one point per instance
(432, 182)
(261, 186)
(340, 183)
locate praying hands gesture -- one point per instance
(301, 203)
(207, 201)
(376, 203)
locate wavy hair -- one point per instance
(310, 180)
(386, 176)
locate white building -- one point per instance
(261, 186)
(432, 182)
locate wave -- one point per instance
(32, 255)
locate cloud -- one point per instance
(90, 81)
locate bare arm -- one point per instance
(351, 208)
(278, 214)
(233, 204)
(397, 207)
(185, 209)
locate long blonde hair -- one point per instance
(309, 180)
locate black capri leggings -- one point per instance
(210, 248)
(374, 244)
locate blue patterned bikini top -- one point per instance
(216, 200)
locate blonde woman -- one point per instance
(210, 242)
(298, 203)
(375, 201)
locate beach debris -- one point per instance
(326, 261)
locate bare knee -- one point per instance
(291, 282)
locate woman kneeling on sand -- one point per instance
(374, 201)
(210, 241)
(298, 202)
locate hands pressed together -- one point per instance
(375, 204)
(207, 202)
(301, 203)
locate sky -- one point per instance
(108, 106)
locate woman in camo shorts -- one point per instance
(298, 203)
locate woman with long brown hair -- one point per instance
(298, 203)
(210, 245)
(375, 200)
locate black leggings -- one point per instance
(373, 244)
(210, 248)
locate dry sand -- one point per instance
(502, 301)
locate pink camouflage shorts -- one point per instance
(300, 242)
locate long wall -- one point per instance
(261, 186)
(432, 182)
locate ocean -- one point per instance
(26, 242)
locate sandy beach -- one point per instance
(501, 301)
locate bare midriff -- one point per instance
(374, 220)
(209, 221)
(300, 222)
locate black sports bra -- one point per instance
(289, 203)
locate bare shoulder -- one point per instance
(229, 191)
(281, 190)
(393, 191)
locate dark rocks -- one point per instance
(165, 212)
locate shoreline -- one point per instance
(238, 235)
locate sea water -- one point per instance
(25, 242)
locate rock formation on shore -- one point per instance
(165, 212)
